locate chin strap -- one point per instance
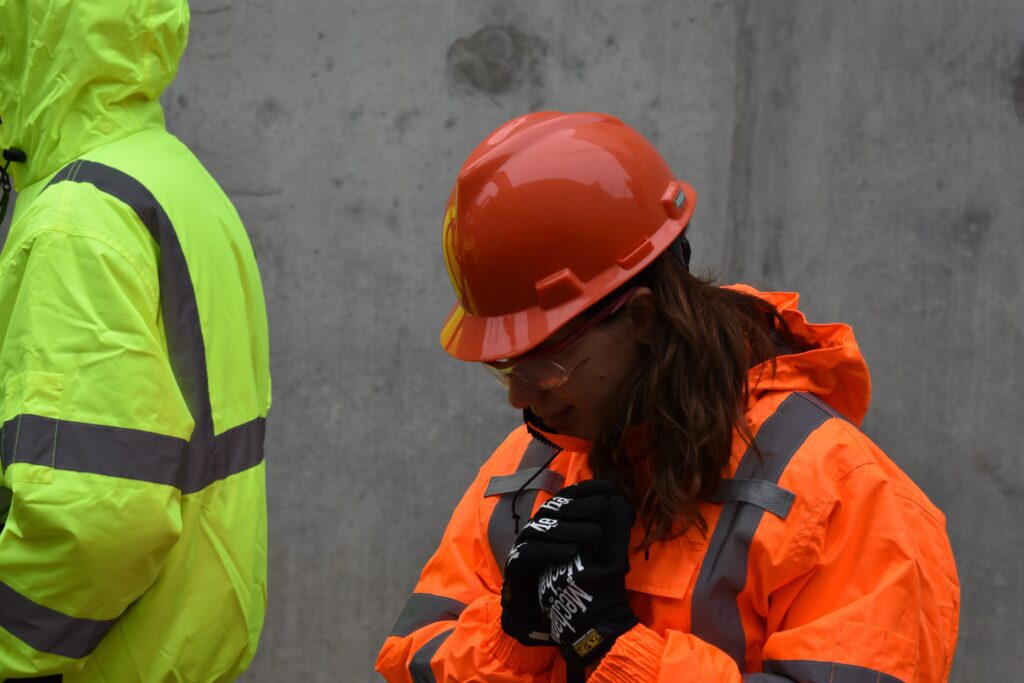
(680, 248)
(11, 154)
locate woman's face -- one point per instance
(602, 358)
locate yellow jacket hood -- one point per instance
(75, 74)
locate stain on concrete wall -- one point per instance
(497, 60)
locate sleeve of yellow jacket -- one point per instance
(450, 629)
(86, 383)
(860, 586)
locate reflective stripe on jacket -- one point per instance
(823, 561)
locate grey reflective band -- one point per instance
(533, 478)
(715, 612)
(129, 453)
(422, 609)
(48, 630)
(824, 406)
(229, 453)
(501, 530)
(764, 494)
(419, 667)
(97, 449)
(765, 678)
(804, 671)
(177, 296)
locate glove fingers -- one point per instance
(594, 517)
(549, 530)
(559, 507)
(584, 500)
(535, 554)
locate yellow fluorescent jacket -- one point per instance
(134, 372)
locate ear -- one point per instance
(640, 312)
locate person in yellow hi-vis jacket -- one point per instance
(134, 372)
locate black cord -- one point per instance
(515, 498)
(5, 191)
(10, 154)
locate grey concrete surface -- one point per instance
(867, 154)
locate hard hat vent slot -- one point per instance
(634, 257)
(558, 288)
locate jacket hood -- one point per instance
(832, 368)
(75, 75)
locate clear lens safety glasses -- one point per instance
(539, 374)
(545, 373)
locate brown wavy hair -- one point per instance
(688, 392)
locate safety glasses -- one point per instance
(542, 370)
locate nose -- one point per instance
(521, 396)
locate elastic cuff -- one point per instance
(634, 658)
(511, 652)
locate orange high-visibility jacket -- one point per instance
(822, 561)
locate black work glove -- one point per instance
(584, 597)
(562, 528)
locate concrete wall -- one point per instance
(867, 154)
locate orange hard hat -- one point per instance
(548, 215)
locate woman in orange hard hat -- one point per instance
(689, 498)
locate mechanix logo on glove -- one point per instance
(562, 599)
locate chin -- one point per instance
(576, 431)
(569, 423)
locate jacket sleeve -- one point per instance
(450, 627)
(877, 598)
(89, 406)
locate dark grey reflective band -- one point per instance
(715, 614)
(764, 494)
(765, 678)
(132, 454)
(419, 667)
(546, 480)
(233, 451)
(501, 530)
(422, 609)
(802, 671)
(93, 448)
(824, 406)
(48, 630)
(177, 296)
